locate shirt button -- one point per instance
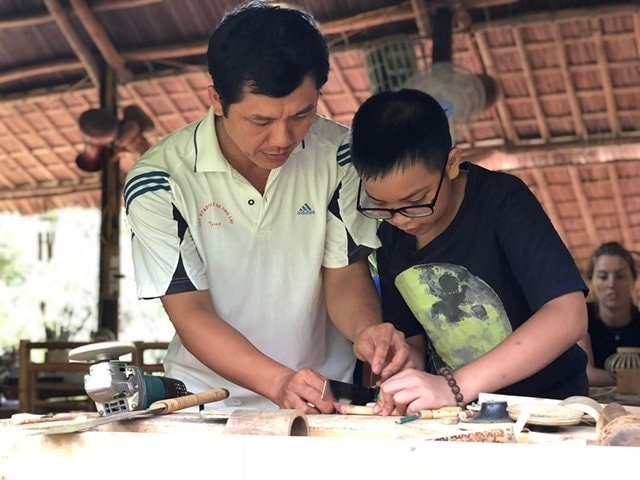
(251, 201)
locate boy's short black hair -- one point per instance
(398, 129)
(267, 49)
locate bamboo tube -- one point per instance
(257, 422)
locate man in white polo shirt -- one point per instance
(245, 225)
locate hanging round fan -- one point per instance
(461, 93)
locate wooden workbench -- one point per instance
(338, 446)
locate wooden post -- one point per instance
(110, 224)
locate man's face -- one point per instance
(262, 130)
(612, 281)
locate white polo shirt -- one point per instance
(198, 224)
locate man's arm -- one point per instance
(230, 354)
(354, 308)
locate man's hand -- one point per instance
(302, 390)
(384, 348)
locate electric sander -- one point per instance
(119, 386)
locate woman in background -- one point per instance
(614, 320)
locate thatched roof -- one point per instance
(567, 119)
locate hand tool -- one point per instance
(159, 407)
(336, 391)
(117, 386)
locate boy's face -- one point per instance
(263, 130)
(415, 185)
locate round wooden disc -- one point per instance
(98, 352)
(546, 415)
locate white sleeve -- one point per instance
(350, 235)
(165, 258)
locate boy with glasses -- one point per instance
(471, 268)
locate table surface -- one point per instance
(337, 446)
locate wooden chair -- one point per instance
(52, 385)
(149, 356)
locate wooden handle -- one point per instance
(444, 412)
(172, 404)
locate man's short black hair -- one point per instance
(267, 49)
(398, 129)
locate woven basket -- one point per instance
(625, 365)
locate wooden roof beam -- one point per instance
(570, 153)
(570, 41)
(43, 190)
(568, 14)
(97, 6)
(335, 68)
(101, 39)
(80, 49)
(607, 87)
(166, 52)
(621, 210)
(563, 62)
(548, 203)
(543, 128)
(636, 31)
(583, 204)
(501, 107)
(372, 18)
(421, 15)
(44, 68)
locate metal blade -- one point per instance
(82, 425)
(336, 391)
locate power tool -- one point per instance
(119, 386)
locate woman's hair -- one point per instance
(612, 248)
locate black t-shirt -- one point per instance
(497, 263)
(606, 340)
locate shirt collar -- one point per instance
(209, 157)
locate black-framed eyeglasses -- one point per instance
(411, 211)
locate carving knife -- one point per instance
(336, 391)
(160, 407)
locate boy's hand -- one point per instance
(411, 391)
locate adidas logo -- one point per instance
(306, 210)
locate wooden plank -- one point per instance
(543, 128)
(85, 56)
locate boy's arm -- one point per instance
(539, 341)
(531, 347)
